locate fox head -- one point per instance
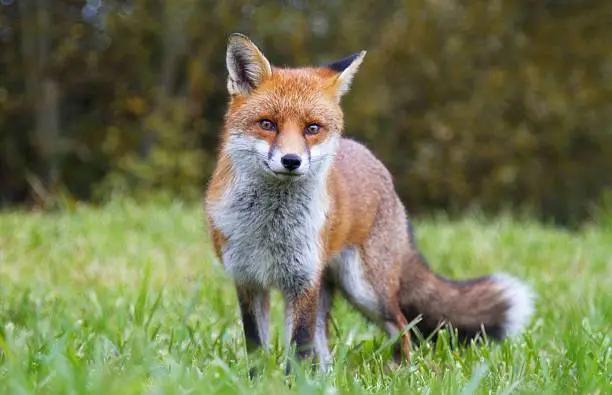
(283, 123)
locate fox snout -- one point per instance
(288, 163)
(291, 160)
(283, 161)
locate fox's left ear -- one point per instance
(346, 69)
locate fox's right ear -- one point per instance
(246, 64)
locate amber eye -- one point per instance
(268, 125)
(313, 128)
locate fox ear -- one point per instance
(346, 69)
(246, 64)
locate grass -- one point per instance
(128, 299)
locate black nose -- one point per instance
(291, 161)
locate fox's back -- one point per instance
(367, 176)
(360, 186)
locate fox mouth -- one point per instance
(280, 173)
(283, 174)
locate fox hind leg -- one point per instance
(393, 328)
(373, 294)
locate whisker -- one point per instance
(322, 157)
(249, 150)
(265, 157)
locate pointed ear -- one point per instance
(346, 69)
(246, 64)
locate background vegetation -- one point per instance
(494, 105)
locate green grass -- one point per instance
(128, 299)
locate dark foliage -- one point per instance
(495, 105)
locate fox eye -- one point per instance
(268, 125)
(313, 128)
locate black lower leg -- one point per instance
(249, 325)
(254, 310)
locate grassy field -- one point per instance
(128, 299)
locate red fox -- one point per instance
(294, 206)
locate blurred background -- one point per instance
(495, 106)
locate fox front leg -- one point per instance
(255, 311)
(300, 324)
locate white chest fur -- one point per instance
(273, 231)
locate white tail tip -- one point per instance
(521, 300)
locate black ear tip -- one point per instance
(341, 65)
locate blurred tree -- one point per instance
(492, 105)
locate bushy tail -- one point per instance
(500, 303)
